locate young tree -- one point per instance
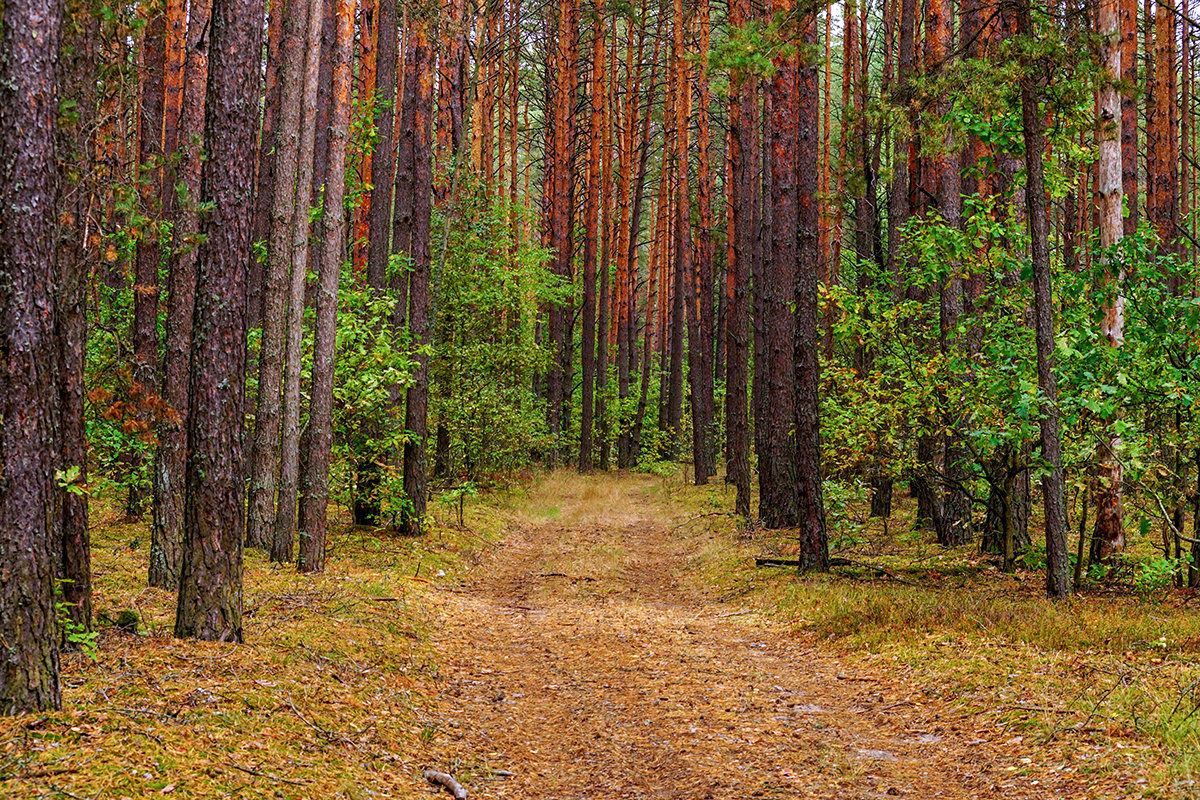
(30, 35)
(1058, 577)
(210, 583)
(1110, 518)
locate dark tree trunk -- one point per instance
(416, 466)
(29, 52)
(700, 359)
(590, 241)
(683, 238)
(383, 162)
(314, 494)
(170, 459)
(149, 249)
(810, 506)
(264, 193)
(743, 129)
(561, 204)
(75, 255)
(953, 508)
(777, 465)
(760, 267)
(210, 583)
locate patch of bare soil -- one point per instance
(579, 663)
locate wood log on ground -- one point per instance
(451, 785)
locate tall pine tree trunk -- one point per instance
(29, 50)
(210, 582)
(171, 456)
(289, 451)
(264, 468)
(318, 441)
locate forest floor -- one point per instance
(610, 637)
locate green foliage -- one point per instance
(374, 365)
(486, 355)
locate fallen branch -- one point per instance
(451, 785)
(325, 734)
(703, 516)
(565, 575)
(795, 562)
(833, 562)
(733, 614)
(260, 774)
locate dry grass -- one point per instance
(1116, 667)
(325, 699)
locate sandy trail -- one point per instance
(578, 660)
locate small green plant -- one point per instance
(1158, 573)
(458, 496)
(68, 479)
(75, 634)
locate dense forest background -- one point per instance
(257, 259)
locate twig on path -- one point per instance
(859, 678)
(733, 614)
(704, 516)
(326, 734)
(260, 774)
(565, 575)
(442, 779)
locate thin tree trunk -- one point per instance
(777, 477)
(171, 458)
(144, 334)
(268, 143)
(701, 351)
(314, 494)
(282, 544)
(683, 242)
(264, 469)
(383, 162)
(810, 506)
(1109, 531)
(416, 467)
(591, 223)
(76, 252)
(743, 121)
(1058, 577)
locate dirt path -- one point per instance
(579, 660)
